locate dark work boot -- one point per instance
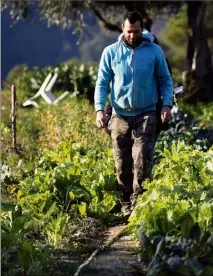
(126, 204)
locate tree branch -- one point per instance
(102, 21)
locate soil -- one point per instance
(121, 258)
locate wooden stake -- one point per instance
(13, 116)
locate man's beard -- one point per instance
(134, 44)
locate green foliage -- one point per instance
(178, 255)
(191, 124)
(200, 111)
(55, 228)
(174, 216)
(26, 254)
(67, 183)
(60, 13)
(65, 175)
(16, 73)
(12, 225)
(27, 126)
(175, 37)
(14, 169)
(182, 186)
(68, 177)
(209, 23)
(15, 230)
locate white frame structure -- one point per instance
(45, 92)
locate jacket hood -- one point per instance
(145, 35)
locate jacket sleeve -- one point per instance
(103, 81)
(164, 79)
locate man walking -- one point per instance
(134, 66)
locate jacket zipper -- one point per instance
(133, 73)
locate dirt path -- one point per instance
(121, 258)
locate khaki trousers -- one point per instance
(133, 146)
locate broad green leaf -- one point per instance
(187, 226)
(82, 209)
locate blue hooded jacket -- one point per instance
(133, 75)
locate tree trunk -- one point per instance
(199, 75)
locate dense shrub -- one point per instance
(16, 73)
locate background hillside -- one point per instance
(36, 45)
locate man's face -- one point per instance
(132, 32)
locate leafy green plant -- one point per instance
(178, 255)
(69, 183)
(173, 218)
(200, 111)
(55, 228)
(182, 187)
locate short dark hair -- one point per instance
(132, 17)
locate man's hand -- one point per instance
(101, 119)
(166, 114)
